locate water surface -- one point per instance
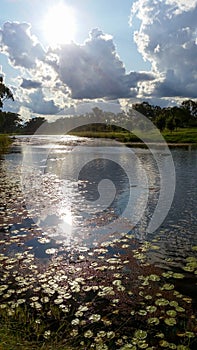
(63, 204)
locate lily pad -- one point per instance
(154, 277)
(168, 286)
(162, 302)
(151, 308)
(171, 321)
(140, 334)
(164, 344)
(178, 275)
(153, 321)
(171, 313)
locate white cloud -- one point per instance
(94, 70)
(22, 48)
(30, 84)
(181, 5)
(167, 38)
(88, 71)
(25, 113)
(39, 104)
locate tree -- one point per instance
(170, 124)
(9, 122)
(5, 93)
(190, 106)
(160, 122)
(144, 108)
(32, 125)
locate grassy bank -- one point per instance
(5, 142)
(186, 135)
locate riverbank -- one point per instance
(5, 142)
(184, 137)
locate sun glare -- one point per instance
(59, 25)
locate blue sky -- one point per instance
(111, 16)
(119, 49)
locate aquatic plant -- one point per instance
(86, 298)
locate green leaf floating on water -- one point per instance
(171, 313)
(142, 312)
(191, 259)
(174, 303)
(167, 286)
(142, 344)
(164, 344)
(191, 264)
(140, 334)
(172, 346)
(154, 247)
(167, 274)
(171, 321)
(128, 347)
(151, 308)
(189, 268)
(178, 275)
(162, 302)
(159, 335)
(153, 277)
(153, 321)
(180, 309)
(190, 334)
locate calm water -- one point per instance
(76, 192)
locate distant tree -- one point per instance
(190, 106)
(160, 122)
(170, 124)
(9, 122)
(5, 93)
(32, 125)
(144, 108)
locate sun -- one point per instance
(59, 25)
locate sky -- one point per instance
(58, 53)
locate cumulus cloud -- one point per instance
(21, 47)
(88, 71)
(25, 113)
(38, 103)
(168, 39)
(30, 84)
(94, 70)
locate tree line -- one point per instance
(170, 118)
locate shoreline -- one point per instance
(169, 144)
(189, 145)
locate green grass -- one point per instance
(9, 340)
(186, 135)
(5, 142)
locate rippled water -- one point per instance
(59, 182)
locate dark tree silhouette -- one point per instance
(5, 93)
(160, 122)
